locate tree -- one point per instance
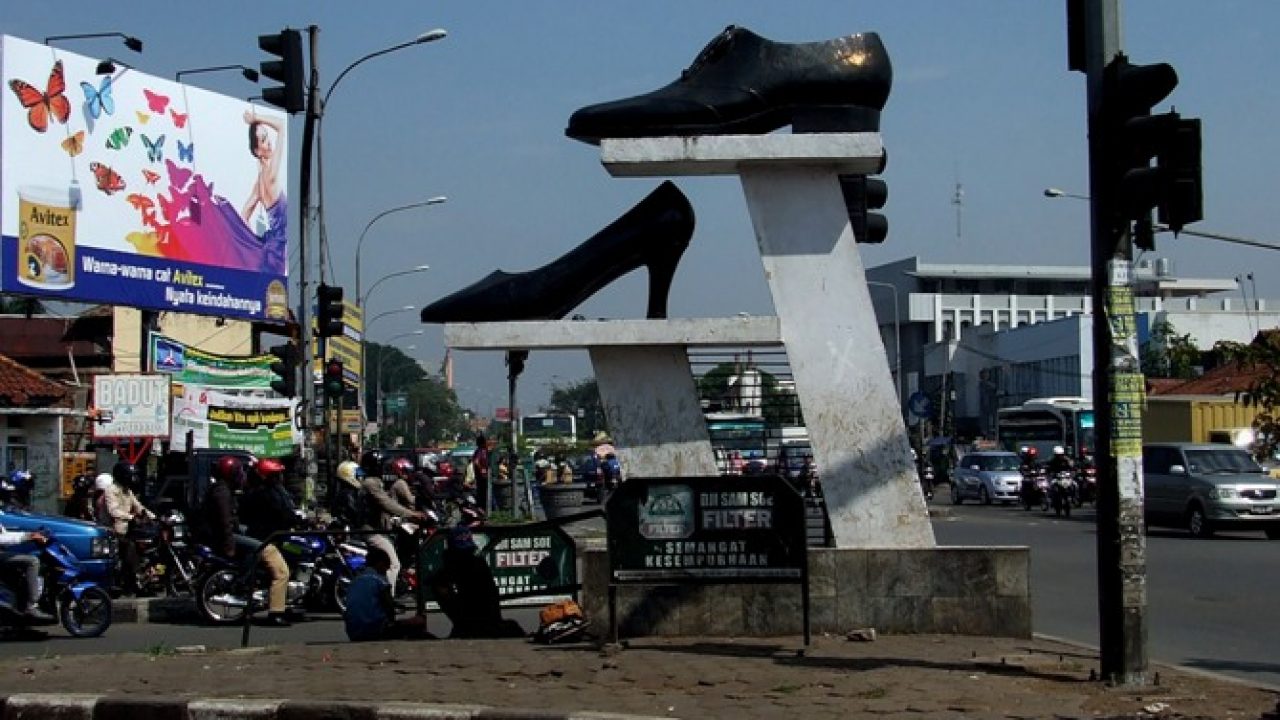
(779, 404)
(385, 361)
(583, 396)
(1261, 359)
(1168, 354)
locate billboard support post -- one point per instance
(306, 363)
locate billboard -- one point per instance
(133, 190)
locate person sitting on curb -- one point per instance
(467, 593)
(371, 613)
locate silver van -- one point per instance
(1208, 487)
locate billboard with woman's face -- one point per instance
(128, 189)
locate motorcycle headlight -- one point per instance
(103, 546)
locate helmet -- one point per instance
(350, 473)
(227, 469)
(103, 481)
(19, 479)
(82, 483)
(1058, 450)
(400, 467)
(125, 473)
(371, 463)
(267, 467)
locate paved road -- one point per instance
(1212, 604)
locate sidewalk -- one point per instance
(901, 676)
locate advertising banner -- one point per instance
(192, 366)
(534, 561)
(132, 406)
(262, 426)
(134, 190)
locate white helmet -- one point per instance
(1058, 450)
(350, 473)
(103, 481)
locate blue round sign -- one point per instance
(919, 405)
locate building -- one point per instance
(32, 412)
(974, 338)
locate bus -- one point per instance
(741, 432)
(549, 428)
(1043, 423)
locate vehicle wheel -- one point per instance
(220, 598)
(338, 593)
(956, 497)
(1273, 533)
(1197, 523)
(984, 495)
(88, 615)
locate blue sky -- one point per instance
(981, 95)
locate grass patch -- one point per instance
(160, 649)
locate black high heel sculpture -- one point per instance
(743, 83)
(654, 233)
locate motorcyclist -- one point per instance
(221, 528)
(124, 508)
(26, 566)
(1060, 462)
(379, 509)
(266, 507)
(80, 505)
(346, 506)
(395, 476)
(1029, 459)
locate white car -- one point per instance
(988, 476)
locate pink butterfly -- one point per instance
(179, 119)
(178, 176)
(156, 101)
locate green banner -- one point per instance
(191, 366)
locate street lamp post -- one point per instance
(360, 243)
(382, 355)
(361, 302)
(1056, 193)
(897, 335)
(249, 73)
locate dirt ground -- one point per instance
(902, 676)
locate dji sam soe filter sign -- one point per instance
(107, 197)
(137, 405)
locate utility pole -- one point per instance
(1118, 385)
(307, 380)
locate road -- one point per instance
(1211, 604)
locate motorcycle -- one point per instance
(1062, 492)
(82, 606)
(166, 564)
(1087, 482)
(1034, 489)
(320, 572)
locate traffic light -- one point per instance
(289, 70)
(1133, 138)
(329, 310)
(863, 194)
(334, 385)
(287, 369)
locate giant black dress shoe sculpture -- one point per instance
(743, 83)
(654, 233)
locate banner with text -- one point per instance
(262, 426)
(106, 196)
(192, 366)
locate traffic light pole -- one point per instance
(306, 381)
(1118, 384)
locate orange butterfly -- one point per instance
(108, 180)
(140, 202)
(179, 119)
(40, 105)
(150, 177)
(74, 144)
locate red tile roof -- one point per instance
(21, 387)
(1223, 380)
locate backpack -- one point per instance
(560, 622)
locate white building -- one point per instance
(1001, 334)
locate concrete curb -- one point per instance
(107, 707)
(153, 610)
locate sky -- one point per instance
(982, 99)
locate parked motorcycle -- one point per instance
(1034, 489)
(319, 573)
(1062, 492)
(82, 606)
(167, 565)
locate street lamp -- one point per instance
(130, 41)
(1056, 193)
(897, 335)
(361, 302)
(249, 73)
(369, 323)
(426, 37)
(360, 243)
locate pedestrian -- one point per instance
(124, 509)
(480, 467)
(371, 611)
(467, 593)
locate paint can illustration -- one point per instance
(46, 237)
